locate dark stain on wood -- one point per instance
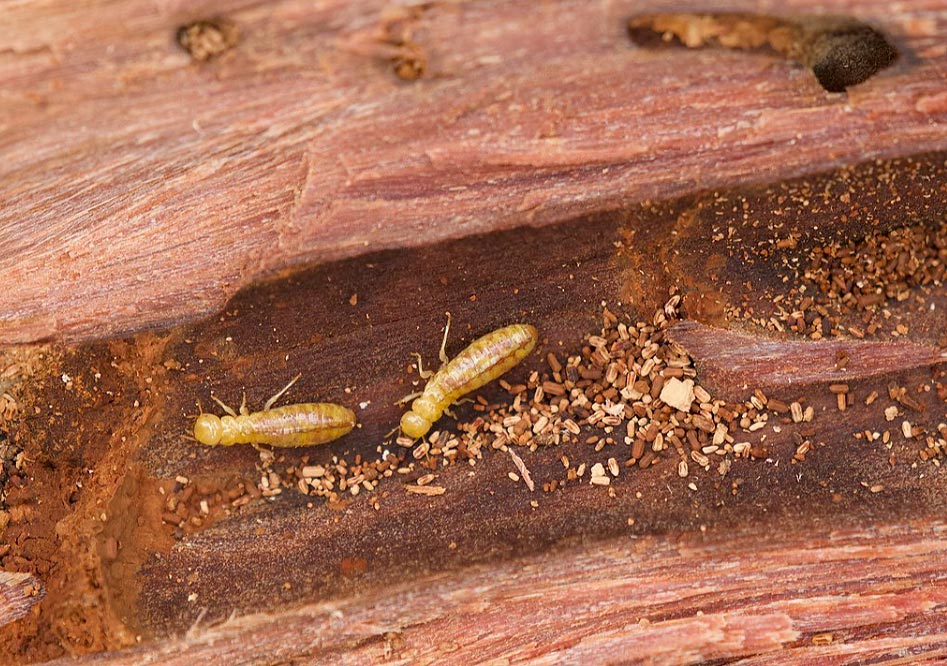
(840, 51)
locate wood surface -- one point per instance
(293, 206)
(140, 188)
(117, 573)
(18, 593)
(840, 596)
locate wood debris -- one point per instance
(678, 394)
(521, 466)
(426, 490)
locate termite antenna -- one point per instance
(443, 353)
(227, 409)
(269, 403)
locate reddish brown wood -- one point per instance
(115, 571)
(728, 360)
(839, 596)
(18, 593)
(140, 188)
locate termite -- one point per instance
(304, 424)
(485, 359)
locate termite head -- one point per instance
(422, 415)
(208, 429)
(414, 425)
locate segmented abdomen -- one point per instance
(305, 424)
(485, 359)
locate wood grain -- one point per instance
(727, 359)
(140, 189)
(18, 594)
(531, 173)
(839, 596)
(115, 570)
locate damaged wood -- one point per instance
(19, 592)
(125, 159)
(723, 369)
(864, 594)
(166, 532)
(841, 51)
(726, 358)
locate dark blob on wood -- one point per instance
(841, 51)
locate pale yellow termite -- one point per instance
(485, 359)
(304, 424)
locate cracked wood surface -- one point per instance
(140, 189)
(832, 596)
(18, 593)
(727, 359)
(114, 570)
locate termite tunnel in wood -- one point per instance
(693, 363)
(840, 51)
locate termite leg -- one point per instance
(425, 374)
(408, 398)
(459, 401)
(223, 406)
(392, 431)
(267, 455)
(193, 630)
(269, 403)
(243, 404)
(443, 353)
